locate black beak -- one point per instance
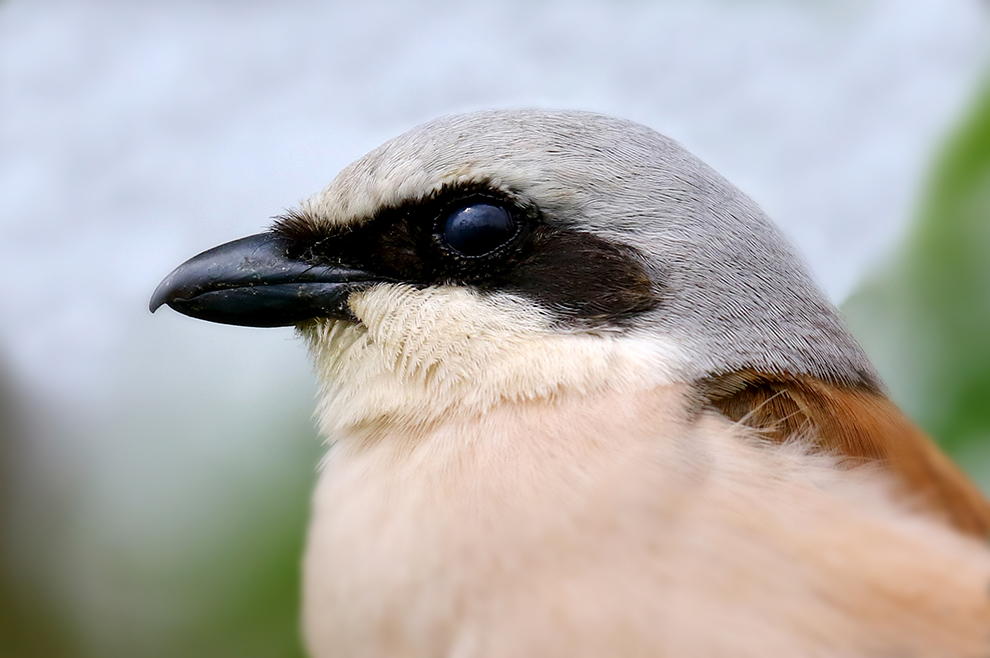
(253, 282)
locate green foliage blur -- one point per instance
(925, 318)
(232, 591)
(29, 625)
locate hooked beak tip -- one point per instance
(255, 282)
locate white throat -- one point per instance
(420, 355)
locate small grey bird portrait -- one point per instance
(582, 398)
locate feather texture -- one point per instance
(625, 523)
(859, 424)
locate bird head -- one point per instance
(512, 255)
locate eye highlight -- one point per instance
(478, 228)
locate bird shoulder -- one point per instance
(860, 425)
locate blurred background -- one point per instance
(155, 470)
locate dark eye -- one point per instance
(478, 229)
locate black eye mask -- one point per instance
(469, 235)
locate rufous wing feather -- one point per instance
(860, 424)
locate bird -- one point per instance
(583, 398)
